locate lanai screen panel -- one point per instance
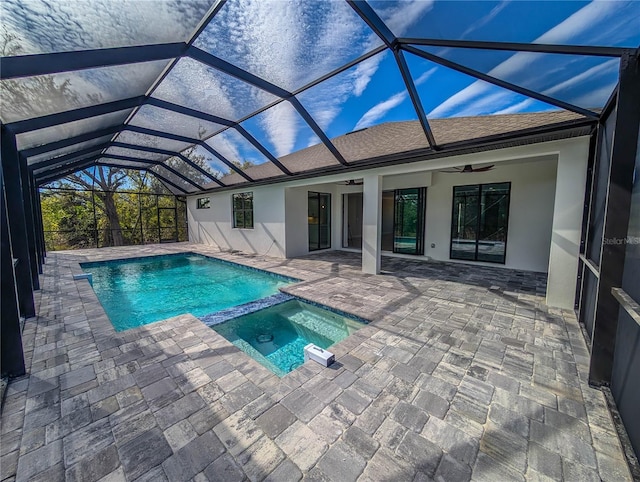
(361, 97)
(156, 142)
(581, 80)
(48, 135)
(125, 164)
(40, 95)
(46, 26)
(136, 153)
(287, 43)
(81, 157)
(237, 149)
(171, 177)
(252, 55)
(100, 141)
(203, 159)
(281, 129)
(164, 120)
(559, 22)
(462, 95)
(197, 86)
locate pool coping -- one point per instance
(190, 253)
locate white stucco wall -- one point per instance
(530, 211)
(567, 225)
(544, 220)
(214, 226)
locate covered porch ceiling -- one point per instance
(211, 94)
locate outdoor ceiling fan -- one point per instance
(467, 169)
(352, 182)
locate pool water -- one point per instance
(144, 290)
(276, 336)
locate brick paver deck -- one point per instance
(462, 374)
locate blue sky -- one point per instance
(287, 45)
(292, 43)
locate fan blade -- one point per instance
(451, 171)
(483, 169)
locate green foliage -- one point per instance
(69, 222)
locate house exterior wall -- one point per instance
(530, 212)
(547, 194)
(214, 226)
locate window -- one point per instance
(479, 222)
(243, 210)
(203, 203)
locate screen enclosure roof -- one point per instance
(211, 94)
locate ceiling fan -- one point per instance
(467, 169)
(352, 182)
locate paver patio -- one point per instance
(462, 374)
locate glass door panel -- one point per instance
(480, 217)
(319, 219)
(464, 223)
(494, 215)
(409, 211)
(352, 220)
(387, 220)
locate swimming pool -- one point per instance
(135, 292)
(276, 336)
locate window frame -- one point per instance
(203, 202)
(506, 233)
(244, 210)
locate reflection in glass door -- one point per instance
(409, 213)
(319, 221)
(352, 220)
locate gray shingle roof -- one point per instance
(407, 136)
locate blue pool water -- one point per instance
(141, 291)
(276, 336)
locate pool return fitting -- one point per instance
(317, 354)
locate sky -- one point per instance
(290, 44)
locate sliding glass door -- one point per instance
(352, 220)
(319, 221)
(479, 222)
(403, 213)
(409, 213)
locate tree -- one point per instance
(243, 164)
(107, 183)
(37, 95)
(44, 94)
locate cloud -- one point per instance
(381, 109)
(198, 86)
(378, 111)
(226, 145)
(55, 26)
(515, 108)
(403, 15)
(596, 71)
(471, 100)
(399, 19)
(47, 94)
(292, 43)
(495, 11)
(425, 76)
(580, 22)
(289, 44)
(281, 123)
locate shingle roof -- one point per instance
(407, 136)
